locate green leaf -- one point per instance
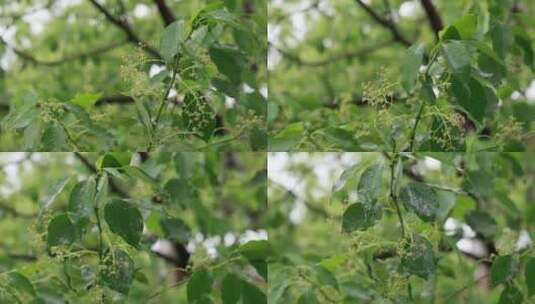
(82, 199)
(143, 115)
(502, 39)
(325, 277)
(529, 273)
(199, 285)
(86, 100)
(524, 42)
(483, 223)
(61, 231)
(252, 294)
(113, 160)
(174, 35)
(21, 114)
(176, 230)
(55, 138)
(229, 61)
(180, 192)
(124, 220)
(502, 270)
(21, 283)
(369, 187)
(360, 216)
(288, 138)
(51, 193)
(466, 26)
(198, 116)
(411, 66)
(476, 98)
(101, 197)
(420, 199)
(511, 295)
(308, 297)
(33, 134)
(231, 289)
(419, 258)
(457, 57)
(256, 250)
(118, 272)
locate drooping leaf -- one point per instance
(457, 57)
(288, 138)
(231, 289)
(198, 116)
(256, 250)
(61, 231)
(52, 192)
(482, 222)
(420, 199)
(419, 258)
(369, 187)
(118, 272)
(229, 61)
(55, 138)
(511, 295)
(175, 229)
(199, 285)
(82, 199)
(252, 294)
(360, 216)
(411, 65)
(502, 270)
(173, 35)
(125, 220)
(21, 283)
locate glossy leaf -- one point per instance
(502, 270)
(124, 220)
(420, 199)
(411, 66)
(511, 295)
(252, 294)
(419, 259)
(360, 216)
(231, 289)
(61, 231)
(173, 35)
(118, 272)
(82, 199)
(199, 285)
(369, 187)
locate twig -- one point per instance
(165, 12)
(385, 22)
(434, 18)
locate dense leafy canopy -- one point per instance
(441, 75)
(110, 75)
(437, 240)
(88, 228)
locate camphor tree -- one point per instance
(133, 228)
(132, 75)
(418, 75)
(402, 227)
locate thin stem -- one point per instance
(418, 118)
(393, 196)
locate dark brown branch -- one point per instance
(125, 27)
(117, 99)
(434, 18)
(386, 23)
(165, 12)
(71, 57)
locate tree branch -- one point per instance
(434, 18)
(125, 27)
(385, 23)
(71, 57)
(334, 58)
(165, 12)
